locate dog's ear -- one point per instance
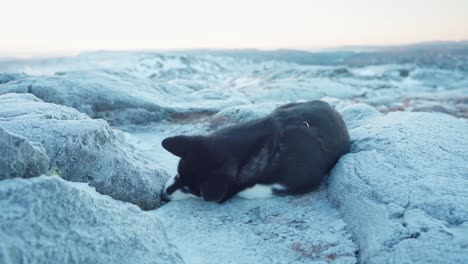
(214, 190)
(181, 145)
(176, 145)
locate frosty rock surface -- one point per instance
(84, 150)
(144, 87)
(49, 220)
(8, 77)
(100, 94)
(402, 189)
(294, 229)
(18, 158)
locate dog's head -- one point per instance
(204, 170)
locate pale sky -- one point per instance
(61, 26)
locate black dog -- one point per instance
(287, 152)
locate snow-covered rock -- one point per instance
(245, 112)
(236, 114)
(8, 77)
(49, 220)
(115, 96)
(358, 114)
(84, 150)
(403, 188)
(294, 229)
(19, 158)
(144, 87)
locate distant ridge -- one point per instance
(411, 46)
(451, 55)
(440, 54)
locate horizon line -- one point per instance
(319, 48)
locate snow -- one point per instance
(302, 229)
(398, 197)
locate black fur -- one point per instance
(296, 146)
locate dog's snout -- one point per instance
(175, 190)
(165, 199)
(164, 196)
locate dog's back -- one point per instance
(312, 139)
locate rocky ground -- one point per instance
(81, 166)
